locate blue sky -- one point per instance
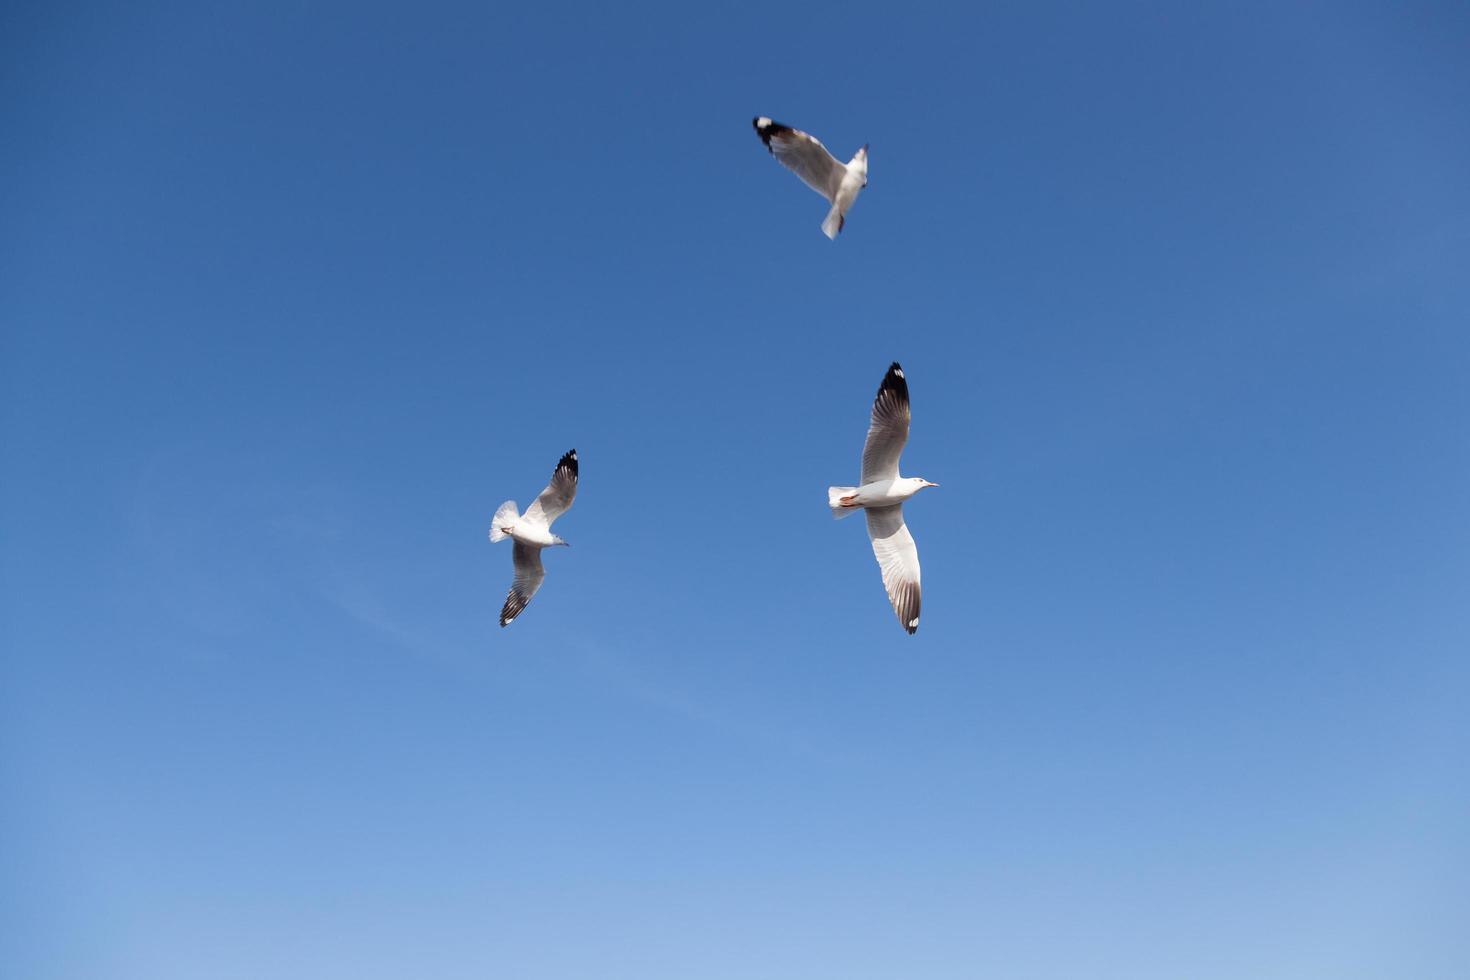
(295, 295)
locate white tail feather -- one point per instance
(505, 516)
(834, 500)
(834, 222)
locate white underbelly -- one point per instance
(880, 494)
(531, 535)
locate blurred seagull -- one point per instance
(805, 156)
(882, 495)
(531, 532)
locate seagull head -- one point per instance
(925, 483)
(556, 541)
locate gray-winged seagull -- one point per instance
(531, 532)
(806, 157)
(882, 494)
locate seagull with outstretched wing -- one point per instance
(882, 493)
(805, 156)
(531, 531)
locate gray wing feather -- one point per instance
(804, 155)
(529, 573)
(557, 498)
(889, 430)
(898, 557)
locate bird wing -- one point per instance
(556, 499)
(804, 155)
(898, 557)
(889, 429)
(529, 574)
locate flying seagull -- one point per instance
(805, 156)
(531, 532)
(882, 494)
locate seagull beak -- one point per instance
(933, 484)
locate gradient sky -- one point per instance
(293, 295)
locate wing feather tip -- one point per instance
(895, 382)
(767, 128)
(515, 604)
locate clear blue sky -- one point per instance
(293, 296)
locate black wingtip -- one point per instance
(895, 382)
(515, 604)
(906, 604)
(766, 127)
(568, 461)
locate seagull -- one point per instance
(805, 156)
(882, 494)
(531, 532)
